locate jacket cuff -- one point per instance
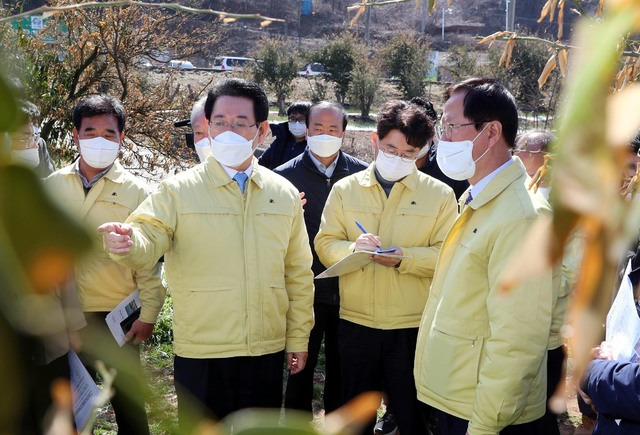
(407, 263)
(297, 345)
(475, 430)
(148, 315)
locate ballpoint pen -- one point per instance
(379, 250)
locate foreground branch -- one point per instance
(48, 11)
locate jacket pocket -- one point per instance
(275, 305)
(212, 315)
(450, 365)
(413, 227)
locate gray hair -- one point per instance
(543, 138)
(198, 109)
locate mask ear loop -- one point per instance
(487, 150)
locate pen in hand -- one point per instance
(380, 250)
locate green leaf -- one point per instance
(8, 107)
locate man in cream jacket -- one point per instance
(237, 260)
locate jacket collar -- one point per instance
(219, 177)
(116, 173)
(368, 178)
(342, 166)
(501, 181)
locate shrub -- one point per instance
(405, 58)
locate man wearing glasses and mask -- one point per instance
(237, 261)
(390, 206)
(27, 147)
(481, 353)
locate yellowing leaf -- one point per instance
(353, 8)
(561, 19)
(229, 20)
(355, 18)
(265, 23)
(562, 62)
(550, 66)
(492, 37)
(505, 59)
(545, 11)
(623, 118)
(552, 9)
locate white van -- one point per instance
(181, 64)
(228, 63)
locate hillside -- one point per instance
(463, 20)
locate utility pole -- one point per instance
(512, 15)
(423, 16)
(367, 26)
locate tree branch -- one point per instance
(554, 44)
(48, 11)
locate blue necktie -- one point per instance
(469, 199)
(241, 179)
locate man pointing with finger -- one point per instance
(237, 261)
(97, 189)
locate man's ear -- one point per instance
(121, 138)
(495, 133)
(374, 140)
(76, 138)
(262, 131)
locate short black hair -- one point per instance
(329, 105)
(239, 88)
(301, 107)
(635, 143)
(488, 100)
(428, 106)
(96, 105)
(410, 119)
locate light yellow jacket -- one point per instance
(481, 354)
(102, 283)
(415, 217)
(238, 267)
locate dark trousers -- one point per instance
(216, 387)
(130, 391)
(38, 392)
(371, 359)
(299, 394)
(555, 375)
(450, 425)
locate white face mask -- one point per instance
(324, 145)
(424, 151)
(99, 152)
(203, 148)
(231, 149)
(393, 168)
(29, 157)
(297, 129)
(455, 159)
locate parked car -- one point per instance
(228, 63)
(181, 64)
(313, 69)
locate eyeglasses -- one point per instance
(235, 126)
(27, 142)
(516, 152)
(391, 153)
(445, 128)
(297, 119)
